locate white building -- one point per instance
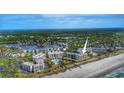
(55, 54)
(39, 58)
(37, 65)
(63, 45)
(18, 54)
(31, 67)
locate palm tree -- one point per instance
(9, 67)
(3, 49)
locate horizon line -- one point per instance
(60, 29)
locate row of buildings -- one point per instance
(52, 52)
(55, 52)
(38, 63)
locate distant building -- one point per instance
(18, 54)
(97, 50)
(55, 54)
(63, 45)
(52, 48)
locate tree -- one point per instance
(3, 50)
(9, 67)
(29, 57)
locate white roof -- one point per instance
(40, 55)
(55, 52)
(30, 64)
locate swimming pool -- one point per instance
(56, 61)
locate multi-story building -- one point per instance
(78, 55)
(63, 45)
(39, 58)
(32, 67)
(37, 65)
(55, 54)
(74, 56)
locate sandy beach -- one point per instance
(94, 69)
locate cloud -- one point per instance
(71, 19)
(59, 20)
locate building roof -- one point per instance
(39, 55)
(28, 63)
(73, 53)
(31, 64)
(55, 52)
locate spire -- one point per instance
(85, 46)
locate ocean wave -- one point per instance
(118, 73)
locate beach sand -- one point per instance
(94, 69)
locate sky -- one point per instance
(60, 21)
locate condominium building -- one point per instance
(78, 55)
(32, 67)
(74, 56)
(55, 54)
(39, 58)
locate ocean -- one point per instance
(117, 73)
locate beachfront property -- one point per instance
(37, 65)
(100, 49)
(78, 55)
(55, 54)
(32, 67)
(79, 50)
(74, 56)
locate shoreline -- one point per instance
(93, 70)
(102, 74)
